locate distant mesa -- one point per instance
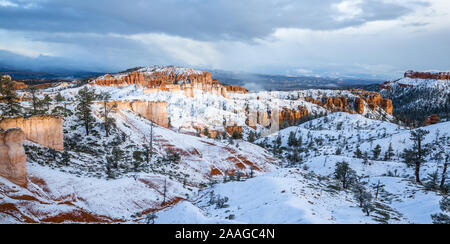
(427, 75)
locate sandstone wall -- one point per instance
(153, 111)
(44, 130)
(12, 156)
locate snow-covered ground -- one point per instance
(181, 191)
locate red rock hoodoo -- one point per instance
(12, 156)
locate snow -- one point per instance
(301, 193)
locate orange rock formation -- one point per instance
(12, 156)
(153, 111)
(431, 120)
(170, 81)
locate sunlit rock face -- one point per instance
(152, 111)
(374, 100)
(44, 130)
(12, 156)
(173, 79)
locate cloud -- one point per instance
(364, 37)
(195, 19)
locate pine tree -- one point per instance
(206, 133)
(344, 174)
(85, 98)
(376, 152)
(390, 152)
(358, 153)
(444, 217)
(292, 140)
(46, 102)
(251, 136)
(35, 102)
(416, 155)
(105, 97)
(366, 158)
(9, 95)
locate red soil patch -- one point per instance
(79, 216)
(172, 202)
(240, 166)
(249, 163)
(10, 209)
(40, 182)
(215, 172)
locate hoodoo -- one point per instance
(12, 156)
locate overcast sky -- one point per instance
(295, 37)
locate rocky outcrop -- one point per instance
(169, 79)
(12, 156)
(17, 85)
(236, 89)
(357, 105)
(152, 111)
(44, 130)
(427, 75)
(291, 117)
(231, 129)
(431, 120)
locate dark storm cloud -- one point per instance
(196, 19)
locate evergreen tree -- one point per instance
(236, 135)
(389, 153)
(292, 140)
(46, 102)
(85, 99)
(344, 174)
(106, 97)
(432, 181)
(251, 136)
(358, 153)
(376, 152)
(416, 155)
(338, 151)
(9, 95)
(35, 102)
(444, 217)
(206, 133)
(366, 158)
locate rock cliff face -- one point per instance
(44, 130)
(374, 100)
(427, 75)
(12, 156)
(153, 111)
(431, 120)
(355, 103)
(172, 79)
